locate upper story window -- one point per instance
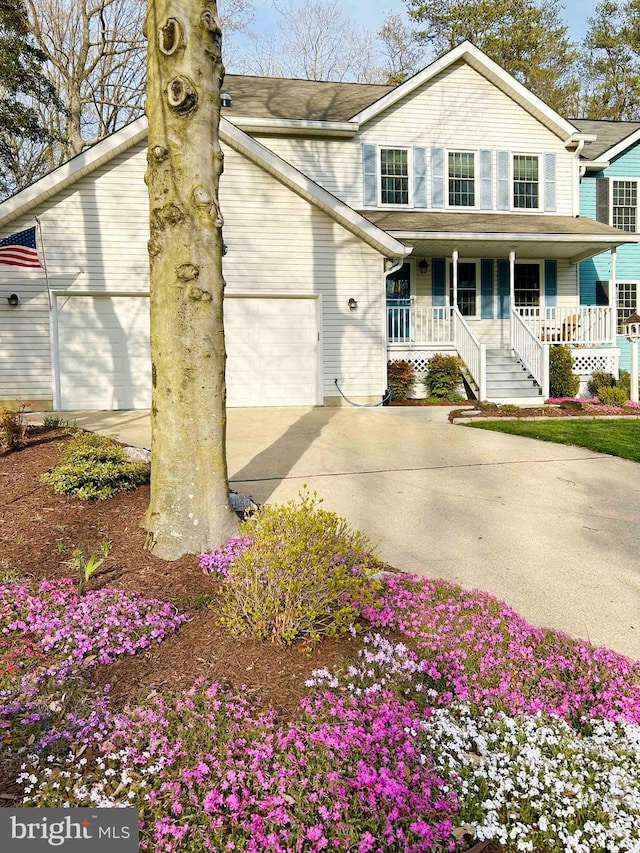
(394, 176)
(627, 300)
(526, 181)
(462, 179)
(624, 202)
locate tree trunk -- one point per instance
(189, 509)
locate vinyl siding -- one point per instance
(439, 113)
(96, 233)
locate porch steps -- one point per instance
(508, 380)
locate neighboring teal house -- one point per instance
(610, 178)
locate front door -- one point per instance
(398, 301)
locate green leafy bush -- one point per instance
(613, 396)
(13, 427)
(400, 376)
(563, 382)
(443, 376)
(305, 573)
(95, 467)
(599, 379)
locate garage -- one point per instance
(102, 351)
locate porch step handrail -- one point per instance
(471, 351)
(571, 324)
(532, 352)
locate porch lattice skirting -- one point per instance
(587, 361)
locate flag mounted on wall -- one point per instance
(19, 250)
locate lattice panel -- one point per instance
(588, 362)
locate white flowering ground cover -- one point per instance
(477, 726)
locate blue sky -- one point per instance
(371, 13)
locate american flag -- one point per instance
(19, 250)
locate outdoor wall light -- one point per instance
(423, 266)
(13, 299)
(353, 304)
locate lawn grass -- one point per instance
(618, 438)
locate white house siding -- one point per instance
(96, 233)
(458, 109)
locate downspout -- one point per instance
(579, 171)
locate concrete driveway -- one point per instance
(553, 530)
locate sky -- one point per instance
(371, 13)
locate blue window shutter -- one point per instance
(419, 176)
(486, 180)
(504, 297)
(550, 282)
(438, 284)
(550, 182)
(437, 177)
(369, 176)
(603, 192)
(504, 182)
(486, 289)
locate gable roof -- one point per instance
(613, 137)
(469, 53)
(106, 150)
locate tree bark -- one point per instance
(189, 509)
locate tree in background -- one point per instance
(528, 38)
(612, 62)
(315, 40)
(401, 48)
(24, 91)
(189, 508)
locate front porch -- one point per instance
(416, 331)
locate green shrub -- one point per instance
(443, 376)
(613, 396)
(13, 427)
(624, 382)
(599, 379)
(54, 422)
(401, 377)
(95, 467)
(304, 574)
(563, 382)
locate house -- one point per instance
(609, 193)
(363, 223)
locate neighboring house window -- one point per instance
(462, 179)
(627, 301)
(527, 285)
(526, 181)
(624, 202)
(394, 176)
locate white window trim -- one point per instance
(393, 147)
(449, 285)
(540, 265)
(476, 178)
(636, 181)
(541, 180)
(636, 283)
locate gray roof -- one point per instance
(609, 133)
(311, 100)
(487, 223)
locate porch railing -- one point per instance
(578, 324)
(531, 351)
(471, 351)
(419, 324)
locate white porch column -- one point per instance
(454, 258)
(634, 371)
(512, 293)
(613, 295)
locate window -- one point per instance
(526, 181)
(467, 290)
(527, 285)
(627, 301)
(462, 179)
(624, 199)
(394, 176)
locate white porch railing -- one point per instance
(531, 351)
(472, 352)
(578, 324)
(419, 324)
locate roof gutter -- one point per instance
(294, 127)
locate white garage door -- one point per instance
(103, 351)
(272, 351)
